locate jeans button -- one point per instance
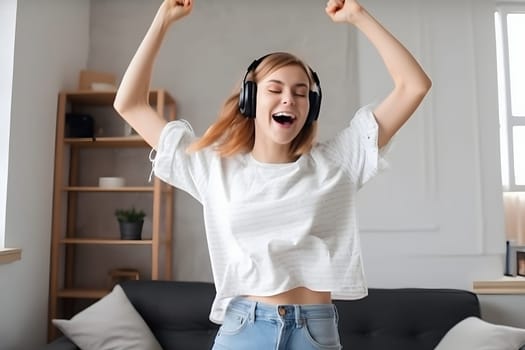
(281, 310)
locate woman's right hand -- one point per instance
(174, 10)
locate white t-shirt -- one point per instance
(274, 227)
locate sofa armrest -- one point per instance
(61, 343)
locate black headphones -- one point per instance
(248, 94)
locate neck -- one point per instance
(272, 153)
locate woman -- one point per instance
(279, 209)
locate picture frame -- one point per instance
(520, 263)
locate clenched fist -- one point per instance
(342, 10)
(176, 9)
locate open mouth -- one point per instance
(283, 119)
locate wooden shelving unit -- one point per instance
(67, 194)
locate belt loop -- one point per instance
(251, 314)
(297, 312)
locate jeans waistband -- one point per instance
(256, 309)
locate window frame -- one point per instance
(8, 10)
(507, 120)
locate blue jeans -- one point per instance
(251, 325)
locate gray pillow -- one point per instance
(110, 323)
(475, 334)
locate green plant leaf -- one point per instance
(130, 215)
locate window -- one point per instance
(7, 38)
(510, 31)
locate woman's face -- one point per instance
(282, 106)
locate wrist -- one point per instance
(160, 23)
(356, 13)
(162, 19)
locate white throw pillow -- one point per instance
(475, 334)
(110, 323)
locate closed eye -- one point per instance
(297, 93)
(301, 91)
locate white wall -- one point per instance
(444, 164)
(50, 48)
(435, 219)
(503, 309)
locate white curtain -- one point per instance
(514, 204)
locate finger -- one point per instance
(183, 3)
(337, 3)
(332, 9)
(334, 4)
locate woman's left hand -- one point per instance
(342, 10)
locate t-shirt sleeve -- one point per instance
(174, 165)
(355, 147)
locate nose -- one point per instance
(288, 98)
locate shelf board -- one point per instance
(106, 241)
(106, 98)
(8, 255)
(82, 293)
(108, 189)
(506, 285)
(122, 141)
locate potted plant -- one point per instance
(130, 223)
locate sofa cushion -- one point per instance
(110, 323)
(475, 334)
(405, 318)
(176, 312)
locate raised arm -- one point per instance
(411, 83)
(131, 101)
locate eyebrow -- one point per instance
(281, 83)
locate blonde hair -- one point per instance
(234, 133)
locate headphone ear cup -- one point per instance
(247, 99)
(315, 107)
(242, 100)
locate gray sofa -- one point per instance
(404, 319)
